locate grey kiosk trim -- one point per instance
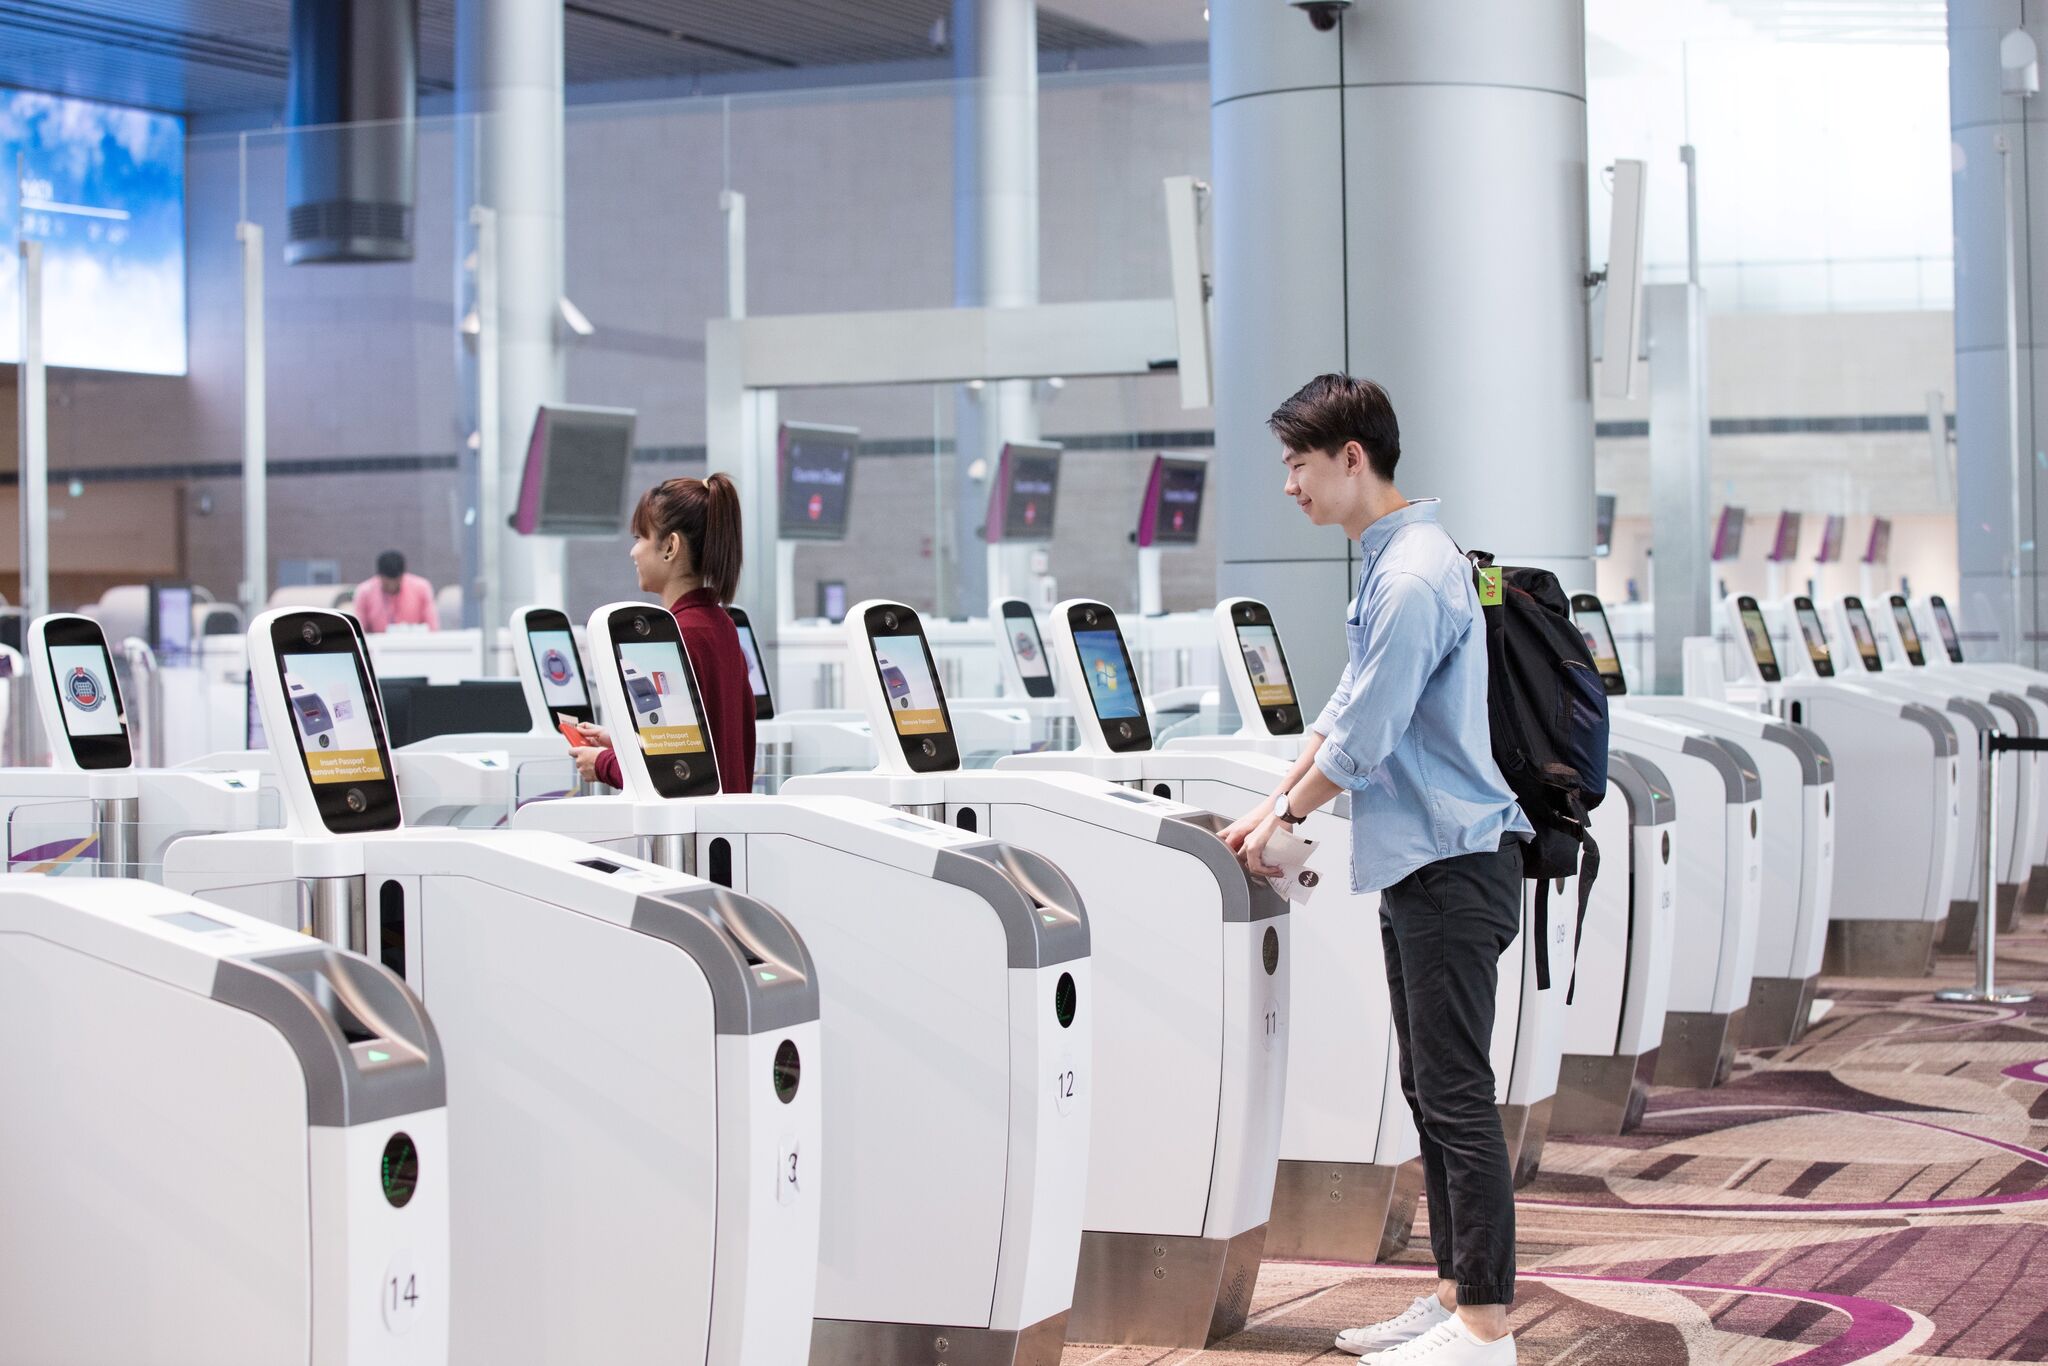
(722, 929)
(1732, 762)
(1043, 919)
(1816, 764)
(1244, 898)
(301, 993)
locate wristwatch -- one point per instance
(1280, 809)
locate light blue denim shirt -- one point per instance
(1406, 731)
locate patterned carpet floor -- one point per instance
(1876, 1193)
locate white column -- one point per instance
(995, 247)
(1994, 417)
(33, 403)
(1403, 198)
(508, 84)
(255, 427)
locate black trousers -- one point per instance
(1445, 926)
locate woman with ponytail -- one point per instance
(686, 547)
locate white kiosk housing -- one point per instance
(223, 1140)
(638, 1058)
(955, 985)
(1191, 964)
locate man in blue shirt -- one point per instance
(1435, 830)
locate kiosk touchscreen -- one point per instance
(1860, 631)
(1909, 634)
(661, 691)
(1111, 679)
(757, 676)
(558, 665)
(340, 734)
(1814, 636)
(902, 660)
(170, 620)
(1758, 637)
(1951, 642)
(1591, 617)
(89, 699)
(1027, 648)
(1258, 640)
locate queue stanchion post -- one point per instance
(1990, 745)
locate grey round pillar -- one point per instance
(1986, 403)
(508, 87)
(995, 248)
(1403, 198)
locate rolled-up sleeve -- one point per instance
(1405, 628)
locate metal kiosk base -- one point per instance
(1162, 1290)
(837, 1342)
(1343, 1211)
(1602, 1095)
(1699, 1047)
(1778, 1010)
(1959, 931)
(1879, 948)
(1526, 1127)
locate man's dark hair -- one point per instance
(1330, 410)
(390, 565)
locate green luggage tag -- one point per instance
(1489, 586)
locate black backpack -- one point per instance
(1548, 714)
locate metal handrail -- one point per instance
(1991, 744)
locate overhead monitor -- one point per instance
(1603, 524)
(1591, 616)
(1728, 535)
(1814, 636)
(170, 620)
(1025, 495)
(1785, 544)
(1879, 549)
(1172, 514)
(1951, 641)
(1861, 632)
(578, 472)
(814, 476)
(102, 187)
(1832, 533)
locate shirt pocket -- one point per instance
(1355, 640)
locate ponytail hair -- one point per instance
(706, 514)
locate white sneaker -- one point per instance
(1411, 1323)
(1448, 1344)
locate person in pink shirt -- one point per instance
(392, 597)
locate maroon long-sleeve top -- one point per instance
(713, 644)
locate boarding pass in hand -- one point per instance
(1290, 852)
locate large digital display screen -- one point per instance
(1728, 535)
(84, 679)
(103, 189)
(325, 693)
(1831, 533)
(907, 680)
(1268, 669)
(561, 677)
(659, 695)
(816, 480)
(1110, 685)
(1785, 544)
(1879, 548)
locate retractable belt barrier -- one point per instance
(1991, 744)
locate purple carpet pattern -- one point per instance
(1877, 1192)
